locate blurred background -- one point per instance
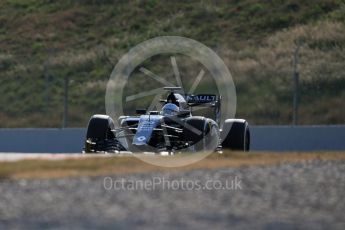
(286, 56)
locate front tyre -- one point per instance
(236, 135)
(99, 135)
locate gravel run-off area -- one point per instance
(308, 195)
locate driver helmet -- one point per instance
(170, 109)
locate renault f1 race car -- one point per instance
(173, 129)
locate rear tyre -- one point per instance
(99, 130)
(236, 135)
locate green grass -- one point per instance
(84, 40)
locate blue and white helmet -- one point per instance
(170, 109)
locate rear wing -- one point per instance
(206, 100)
(202, 99)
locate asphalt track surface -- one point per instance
(307, 195)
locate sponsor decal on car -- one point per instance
(200, 98)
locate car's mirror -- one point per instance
(141, 111)
(154, 112)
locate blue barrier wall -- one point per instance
(263, 138)
(298, 138)
(42, 140)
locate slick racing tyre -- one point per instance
(99, 130)
(237, 135)
(201, 133)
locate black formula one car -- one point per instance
(173, 129)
